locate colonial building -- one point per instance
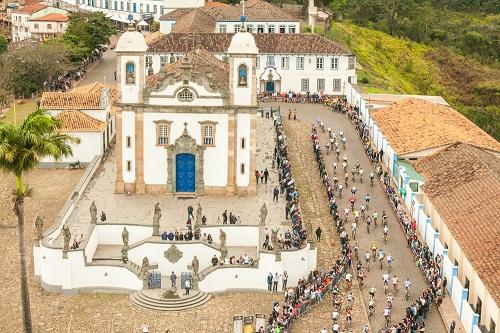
(38, 21)
(190, 127)
(87, 114)
(260, 17)
(285, 62)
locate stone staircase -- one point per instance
(155, 302)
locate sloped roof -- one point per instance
(71, 101)
(76, 121)
(255, 11)
(196, 21)
(266, 43)
(150, 38)
(30, 9)
(201, 66)
(413, 125)
(52, 17)
(94, 87)
(463, 184)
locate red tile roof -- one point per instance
(463, 184)
(76, 121)
(52, 17)
(413, 125)
(30, 9)
(267, 43)
(71, 101)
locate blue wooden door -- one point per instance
(270, 86)
(184, 173)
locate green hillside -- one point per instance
(398, 65)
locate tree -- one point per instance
(91, 30)
(21, 149)
(3, 44)
(26, 69)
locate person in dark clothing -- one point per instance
(190, 212)
(215, 261)
(103, 217)
(257, 176)
(276, 192)
(266, 175)
(224, 217)
(318, 234)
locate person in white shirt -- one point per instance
(145, 328)
(335, 316)
(386, 278)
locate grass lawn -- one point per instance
(23, 108)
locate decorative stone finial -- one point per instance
(185, 132)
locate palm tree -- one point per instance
(21, 149)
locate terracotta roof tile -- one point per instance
(76, 121)
(95, 87)
(463, 184)
(52, 17)
(255, 11)
(202, 66)
(71, 101)
(196, 21)
(267, 43)
(30, 9)
(413, 125)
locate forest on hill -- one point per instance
(436, 47)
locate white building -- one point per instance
(25, 24)
(285, 62)
(86, 113)
(261, 17)
(191, 126)
(139, 9)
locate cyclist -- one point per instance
(387, 315)
(395, 282)
(356, 251)
(335, 315)
(367, 201)
(348, 280)
(361, 175)
(354, 190)
(372, 292)
(353, 173)
(361, 276)
(367, 259)
(368, 223)
(375, 217)
(386, 231)
(371, 308)
(374, 250)
(390, 298)
(385, 278)
(407, 285)
(353, 230)
(334, 167)
(356, 216)
(371, 178)
(340, 190)
(381, 256)
(384, 217)
(389, 261)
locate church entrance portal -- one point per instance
(270, 86)
(185, 178)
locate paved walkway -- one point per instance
(404, 265)
(314, 204)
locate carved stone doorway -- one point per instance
(185, 144)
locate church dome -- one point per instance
(243, 43)
(131, 41)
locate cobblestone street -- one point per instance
(306, 171)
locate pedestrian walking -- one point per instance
(318, 234)
(270, 281)
(187, 286)
(276, 192)
(266, 175)
(173, 279)
(452, 326)
(257, 176)
(190, 210)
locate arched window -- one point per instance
(130, 73)
(185, 95)
(242, 75)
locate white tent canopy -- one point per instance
(142, 23)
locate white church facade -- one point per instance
(189, 128)
(285, 62)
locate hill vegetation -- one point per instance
(398, 65)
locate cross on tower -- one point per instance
(242, 16)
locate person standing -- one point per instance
(173, 279)
(187, 285)
(266, 175)
(275, 282)
(318, 234)
(452, 326)
(190, 212)
(270, 281)
(285, 279)
(294, 114)
(276, 192)
(145, 328)
(257, 176)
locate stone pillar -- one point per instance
(252, 186)
(119, 184)
(140, 187)
(231, 155)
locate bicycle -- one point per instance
(381, 261)
(385, 238)
(407, 294)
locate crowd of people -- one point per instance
(297, 236)
(293, 97)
